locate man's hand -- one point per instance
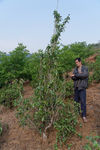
(72, 75)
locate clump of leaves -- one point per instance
(11, 92)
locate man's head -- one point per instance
(78, 62)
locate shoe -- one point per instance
(84, 119)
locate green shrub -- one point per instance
(14, 65)
(96, 74)
(11, 92)
(47, 107)
(90, 80)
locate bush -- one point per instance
(10, 93)
(14, 65)
(96, 74)
(47, 107)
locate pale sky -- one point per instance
(31, 22)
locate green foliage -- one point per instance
(20, 64)
(18, 60)
(90, 80)
(68, 54)
(66, 60)
(10, 93)
(67, 122)
(93, 143)
(33, 66)
(95, 46)
(4, 68)
(81, 49)
(0, 129)
(69, 89)
(13, 66)
(25, 110)
(96, 68)
(49, 92)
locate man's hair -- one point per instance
(79, 59)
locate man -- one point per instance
(80, 77)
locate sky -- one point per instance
(31, 22)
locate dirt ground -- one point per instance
(15, 137)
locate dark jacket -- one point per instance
(80, 79)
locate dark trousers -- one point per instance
(80, 97)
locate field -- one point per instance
(37, 110)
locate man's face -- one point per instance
(78, 63)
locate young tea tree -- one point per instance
(47, 107)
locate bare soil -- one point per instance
(91, 59)
(15, 137)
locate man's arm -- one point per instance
(82, 75)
